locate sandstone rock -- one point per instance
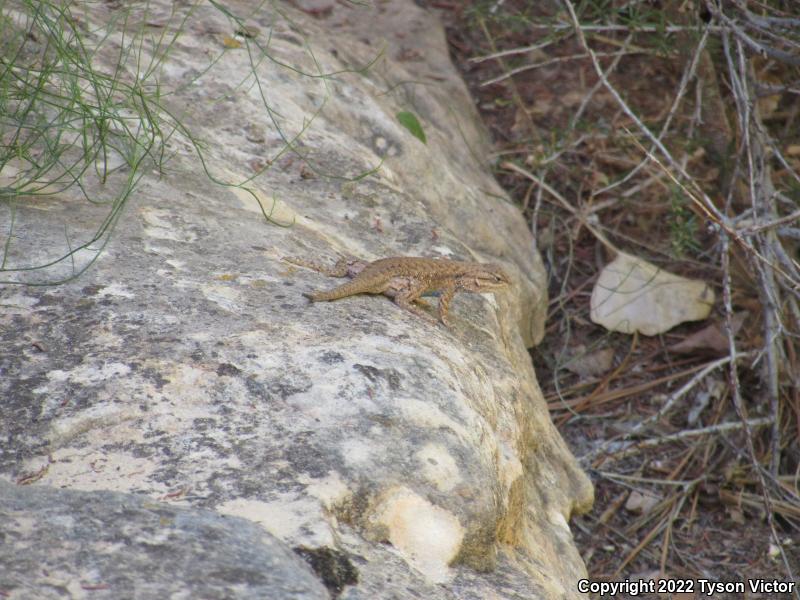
(185, 365)
(112, 545)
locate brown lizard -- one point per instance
(406, 278)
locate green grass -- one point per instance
(70, 126)
(66, 125)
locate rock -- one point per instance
(100, 545)
(185, 365)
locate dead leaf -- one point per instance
(641, 502)
(709, 339)
(231, 42)
(632, 294)
(591, 364)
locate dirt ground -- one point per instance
(685, 508)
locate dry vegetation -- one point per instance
(668, 130)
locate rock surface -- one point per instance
(112, 545)
(400, 459)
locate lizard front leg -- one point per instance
(408, 295)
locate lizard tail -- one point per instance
(355, 286)
(323, 296)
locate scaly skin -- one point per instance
(406, 278)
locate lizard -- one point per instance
(405, 279)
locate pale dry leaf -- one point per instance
(591, 364)
(641, 502)
(632, 294)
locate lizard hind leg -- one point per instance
(444, 303)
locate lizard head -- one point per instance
(485, 278)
